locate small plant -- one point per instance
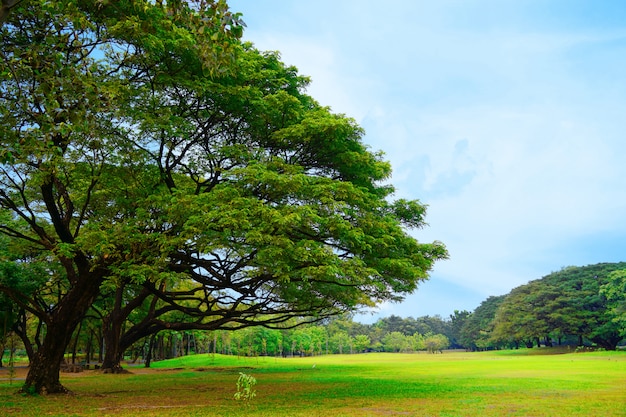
(245, 385)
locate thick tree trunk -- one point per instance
(113, 354)
(115, 340)
(43, 374)
(112, 332)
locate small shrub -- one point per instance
(245, 385)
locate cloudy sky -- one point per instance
(507, 118)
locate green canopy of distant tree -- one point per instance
(570, 302)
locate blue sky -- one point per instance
(507, 118)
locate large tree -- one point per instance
(564, 303)
(145, 148)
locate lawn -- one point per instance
(506, 383)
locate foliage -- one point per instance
(436, 343)
(361, 343)
(567, 302)
(477, 329)
(615, 292)
(456, 323)
(395, 342)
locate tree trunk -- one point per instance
(113, 353)
(548, 341)
(89, 348)
(113, 325)
(150, 347)
(607, 341)
(43, 374)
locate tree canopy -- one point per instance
(576, 304)
(148, 153)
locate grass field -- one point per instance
(505, 383)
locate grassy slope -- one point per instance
(452, 384)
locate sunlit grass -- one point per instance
(452, 384)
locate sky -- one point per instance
(505, 117)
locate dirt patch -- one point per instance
(19, 373)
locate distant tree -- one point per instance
(436, 342)
(567, 302)
(410, 325)
(362, 342)
(395, 342)
(416, 342)
(376, 334)
(477, 330)
(395, 323)
(434, 324)
(456, 323)
(523, 315)
(341, 342)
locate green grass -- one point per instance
(506, 383)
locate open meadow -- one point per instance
(503, 383)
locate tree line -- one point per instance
(339, 335)
(575, 306)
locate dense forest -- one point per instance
(570, 307)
